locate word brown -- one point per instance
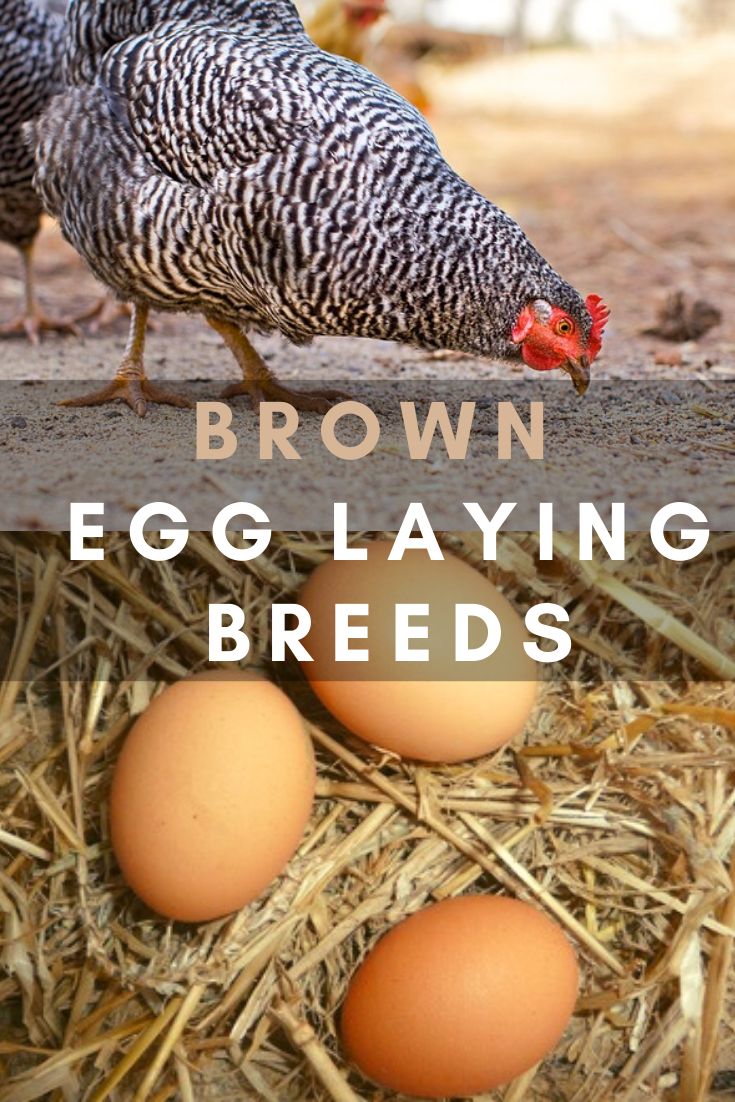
(279, 424)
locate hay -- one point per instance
(616, 813)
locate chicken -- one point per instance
(30, 74)
(210, 158)
(344, 27)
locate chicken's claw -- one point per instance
(34, 324)
(136, 392)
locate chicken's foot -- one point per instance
(131, 384)
(33, 321)
(258, 382)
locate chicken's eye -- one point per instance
(565, 327)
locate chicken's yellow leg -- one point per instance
(259, 383)
(33, 321)
(131, 384)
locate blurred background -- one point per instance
(571, 20)
(565, 21)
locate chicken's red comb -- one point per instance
(600, 317)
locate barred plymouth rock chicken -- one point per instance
(30, 74)
(210, 158)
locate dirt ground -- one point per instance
(619, 165)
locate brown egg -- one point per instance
(440, 710)
(211, 795)
(460, 998)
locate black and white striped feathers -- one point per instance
(95, 26)
(30, 74)
(218, 161)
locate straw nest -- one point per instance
(616, 814)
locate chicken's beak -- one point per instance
(579, 370)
